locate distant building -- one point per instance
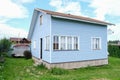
(15, 40)
(20, 45)
(18, 49)
(118, 42)
(19, 40)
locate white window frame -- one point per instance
(41, 19)
(66, 43)
(34, 44)
(71, 43)
(47, 44)
(63, 43)
(76, 42)
(100, 47)
(56, 42)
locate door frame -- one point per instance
(41, 48)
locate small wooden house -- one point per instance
(67, 41)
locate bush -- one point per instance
(5, 45)
(58, 71)
(114, 51)
(13, 55)
(27, 54)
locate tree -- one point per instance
(5, 45)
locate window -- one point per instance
(47, 42)
(65, 43)
(96, 43)
(75, 43)
(41, 20)
(69, 43)
(34, 44)
(56, 43)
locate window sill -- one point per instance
(65, 50)
(96, 49)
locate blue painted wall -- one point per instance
(41, 31)
(85, 31)
(63, 27)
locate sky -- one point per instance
(16, 15)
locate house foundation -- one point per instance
(72, 65)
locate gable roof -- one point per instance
(15, 39)
(74, 17)
(64, 16)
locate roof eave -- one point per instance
(37, 9)
(83, 20)
(34, 16)
(56, 16)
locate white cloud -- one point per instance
(8, 31)
(85, 1)
(105, 7)
(3, 20)
(56, 3)
(116, 32)
(10, 9)
(66, 6)
(25, 1)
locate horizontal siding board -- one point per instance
(85, 31)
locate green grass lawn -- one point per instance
(22, 69)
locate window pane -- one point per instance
(96, 43)
(69, 43)
(75, 43)
(56, 43)
(41, 20)
(63, 43)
